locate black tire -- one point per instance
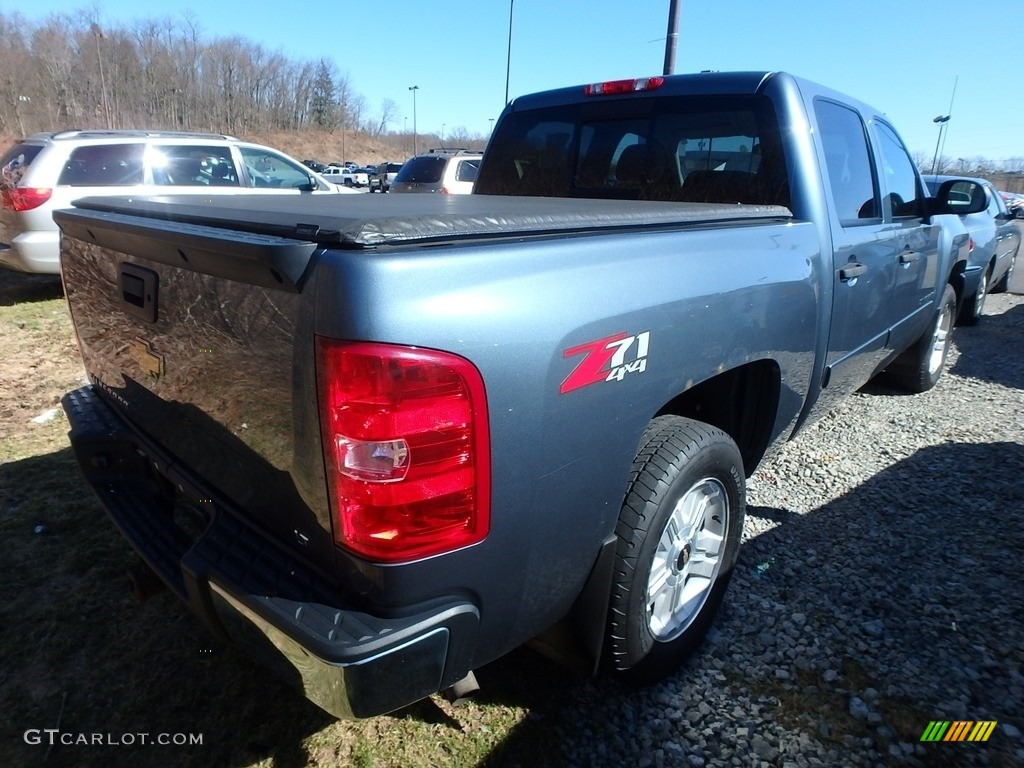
(920, 367)
(1004, 282)
(691, 475)
(974, 305)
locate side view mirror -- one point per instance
(312, 186)
(960, 196)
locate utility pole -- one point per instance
(414, 88)
(672, 37)
(508, 60)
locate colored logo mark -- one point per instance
(959, 730)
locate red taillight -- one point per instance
(406, 449)
(613, 87)
(24, 198)
(970, 246)
(444, 191)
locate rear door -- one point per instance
(916, 265)
(865, 251)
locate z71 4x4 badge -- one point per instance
(605, 360)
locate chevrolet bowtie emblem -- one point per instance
(143, 354)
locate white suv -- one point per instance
(448, 171)
(45, 172)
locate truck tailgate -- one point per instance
(189, 333)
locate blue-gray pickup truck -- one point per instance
(382, 441)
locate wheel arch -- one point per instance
(743, 402)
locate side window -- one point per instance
(467, 170)
(904, 193)
(191, 165)
(848, 162)
(103, 165)
(269, 169)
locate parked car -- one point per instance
(383, 176)
(45, 172)
(316, 166)
(448, 171)
(1014, 203)
(995, 241)
(345, 176)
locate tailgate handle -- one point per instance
(137, 286)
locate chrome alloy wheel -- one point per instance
(688, 559)
(940, 339)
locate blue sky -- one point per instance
(902, 56)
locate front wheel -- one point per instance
(678, 538)
(919, 368)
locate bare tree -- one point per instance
(388, 111)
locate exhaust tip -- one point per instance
(462, 689)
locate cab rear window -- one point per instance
(707, 149)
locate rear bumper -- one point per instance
(252, 591)
(36, 252)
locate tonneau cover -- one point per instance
(370, 221)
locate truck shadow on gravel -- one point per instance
(991, 350)
(844, 633)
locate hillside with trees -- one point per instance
(71, 71)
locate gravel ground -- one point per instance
(878, 589)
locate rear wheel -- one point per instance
(678, 538)
(919, 368)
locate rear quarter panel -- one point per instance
(708, 299)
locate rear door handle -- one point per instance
(909, 257)
(852, 271)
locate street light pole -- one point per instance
(672, 38)
(442, 134)
(414, 88)
(508, 60)
(941, 120)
